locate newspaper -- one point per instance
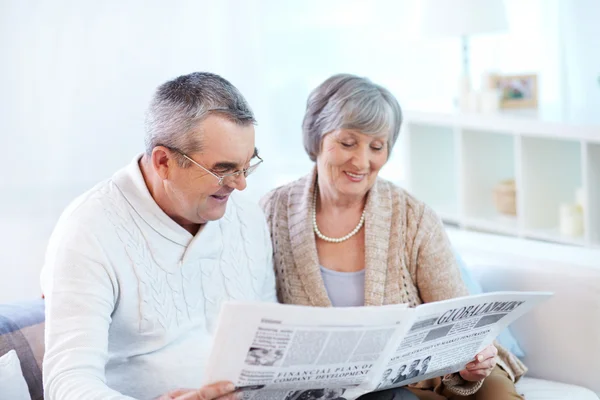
(288, 352)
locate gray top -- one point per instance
(345, 289)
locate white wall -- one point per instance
(580, 33)
(76, 77)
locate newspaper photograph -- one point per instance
(289, 352)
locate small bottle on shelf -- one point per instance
(571, 220)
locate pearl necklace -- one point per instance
(326, 238)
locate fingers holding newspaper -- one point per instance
(220, 390)
(481, 367)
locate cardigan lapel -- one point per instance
(378, 221)
(302, 240)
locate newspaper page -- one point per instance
(287, 352)
(445, 336)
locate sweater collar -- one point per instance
(378, 216)
(130, 182)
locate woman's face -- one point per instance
(350, 161)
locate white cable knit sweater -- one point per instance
(132, 297)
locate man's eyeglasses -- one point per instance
(225, 179)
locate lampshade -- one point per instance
(462, 17)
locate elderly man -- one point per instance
(137, 267)
(400, 375)
(386, 380)
(412, 370)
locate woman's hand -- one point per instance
(219, 390)
(481, 366)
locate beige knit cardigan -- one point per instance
(408, 258)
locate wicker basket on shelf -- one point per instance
(505, 197)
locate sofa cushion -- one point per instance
(505, 338)
(22, 330)
(539, 389)
(12, 383)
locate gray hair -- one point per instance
(180, 104)
(347, 101)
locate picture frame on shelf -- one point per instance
(516, 91)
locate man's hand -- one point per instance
(219, 390)
(482, 366)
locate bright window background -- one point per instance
(77, 76)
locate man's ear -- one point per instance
(162, 161)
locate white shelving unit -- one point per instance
(454, 161)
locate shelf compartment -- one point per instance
(432, 162)
(551, 175)
(487, 159)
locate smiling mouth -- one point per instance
(355, 177)
(220, 197)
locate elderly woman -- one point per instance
(342, 236)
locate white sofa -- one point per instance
(560, 338)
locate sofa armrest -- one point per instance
(559, 337)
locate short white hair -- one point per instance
(180, 104)
(347, 101)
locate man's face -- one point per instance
(413, 365)
(196, 194)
